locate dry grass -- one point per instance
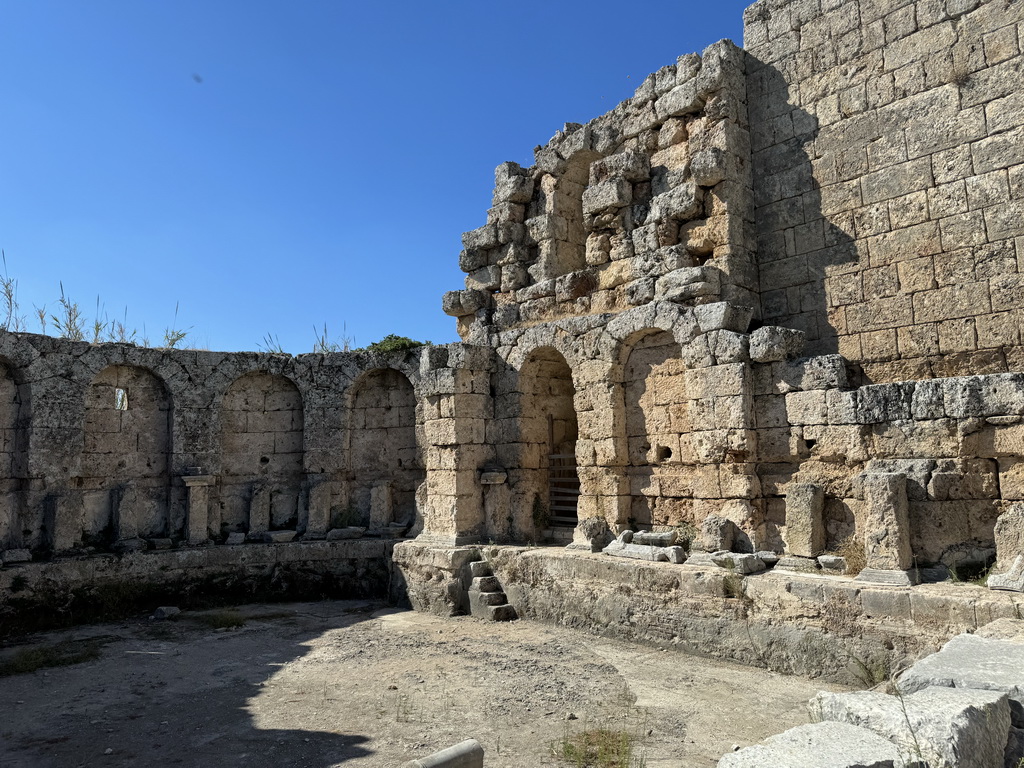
(60, 655)
(852, 550)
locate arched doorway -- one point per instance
(549, 433)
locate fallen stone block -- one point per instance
(766, 557)
(892, 578)
(1003, 629)
(125, 546)
(350, 532)
(591, 535)
(235, 538)
(737, 562)
(819, 745)
(165, 612)
(701, 560)
(797, 564)
(12, 556)
(623, 547)
(947, 727)
(466, 754)
(969, 661)
(652, 539)
(160, 543)
(716, 533)
(832, 564)
(278, 537)
(1012, 580)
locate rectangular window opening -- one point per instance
(120, 399)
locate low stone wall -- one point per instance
(810, 625)
(68, 591)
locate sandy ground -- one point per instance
(354, 684)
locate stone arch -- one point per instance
(13, 455)
(262, 432)
(549, 430)
(634, 323)
(385, 466)
(124, 474)
(657, 421)
(545, 336)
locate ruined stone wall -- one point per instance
(888, 159)
(117, 447)
(731, 267)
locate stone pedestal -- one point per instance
(321, 501)
(1008, 572)
(887, 530)
(259, 512)
(125, 502)
(197, 526)
(805, 526)
(381, 506)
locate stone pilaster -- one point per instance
(458, 404)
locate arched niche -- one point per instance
(658, 422)
(125, 468)
(384, 464)
(549, 430)
(12, 460)
(261, 454)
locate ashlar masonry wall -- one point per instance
(888, 156)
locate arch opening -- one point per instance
(261, 454)
(658, 421)
(550, 428)
(385, 467)
(125, 467)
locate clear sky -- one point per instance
(273, 166)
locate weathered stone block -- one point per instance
(886, 521)
(805, 526)
(770, 343)
(947, 727)
(837, 745)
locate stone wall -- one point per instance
(117, 447)
(888, 159)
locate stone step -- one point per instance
(491, 598)
(502, 612)
(485, 584)
(480, 568)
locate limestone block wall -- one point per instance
(958, 442)
(657, 188)
(888, 157)
(115, 446)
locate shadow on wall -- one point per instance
(798, 245)
(200, 701)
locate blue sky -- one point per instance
(269, 167)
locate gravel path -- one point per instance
(354, 684)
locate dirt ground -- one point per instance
(355, 683)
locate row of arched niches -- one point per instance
(97, 446)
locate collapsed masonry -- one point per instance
(772, 302)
